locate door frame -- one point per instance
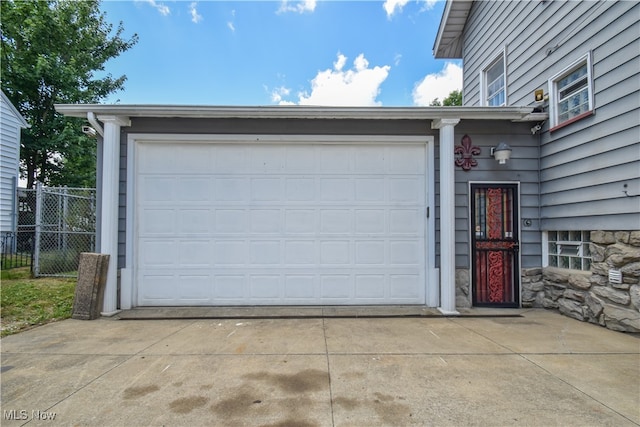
(517, 256)
(128, 288)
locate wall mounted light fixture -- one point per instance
(501, 152)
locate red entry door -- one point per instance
(495, 244)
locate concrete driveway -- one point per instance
(538, 369)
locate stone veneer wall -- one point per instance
(588, 295)
(584, 295)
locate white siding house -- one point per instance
(582, 58)
(11, 122)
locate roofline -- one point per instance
(443, 20)
(452, 50)
(21, 119)
(297, 112)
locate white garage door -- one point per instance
(280, 224)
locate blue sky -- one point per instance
(336, 53)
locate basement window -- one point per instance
(568, 249)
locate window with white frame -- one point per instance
(572, 92)
(568, 249)
(494, 83)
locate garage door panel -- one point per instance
(406, 221)
(193, 287)
(370, 287)
(157, 221)
(197, 190)
(300, 189)
(406, 190)
(336, 189)
(229, 221)
(265, 252)
(229, 287)
(370, 221)
(370, 160)
(335, 159)
(407, 161)
(159, 288)
(300, 159)
(334, 252)
(299, 288)
(300, 221)
(370, 252)
(370, 189)
(232, 189)
(265, 221)
(194, 253)
(155, 252)
(266, 189)
(282, 224)
(266, 287)
(336, 287)
(334, 221)
(193, 221)
(231, 159)
(300, 252)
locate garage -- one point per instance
(279, 220)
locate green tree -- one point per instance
(51, 53)
(454, 99)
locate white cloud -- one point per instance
(390, 6)
(195, 16)
(230, 24)
(278, 93)
(429, 4)
(393, 6)
(297, 6)
(164, 10)
(358, 86)
(438, 85)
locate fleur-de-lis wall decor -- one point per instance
(466, 151)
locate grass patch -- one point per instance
(27, 302)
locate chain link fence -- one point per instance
(59, 223)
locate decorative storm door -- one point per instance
(494, 222)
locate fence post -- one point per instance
(36, 243)
(64, 219)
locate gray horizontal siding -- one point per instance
(584, 165)
(594, 193)
(591, 222)
(522, 169)
(626, 173)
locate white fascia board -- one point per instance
(298, 112)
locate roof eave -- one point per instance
(296, 112)
(448, 43)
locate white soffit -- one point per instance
(448, 42)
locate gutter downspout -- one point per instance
(93, 121)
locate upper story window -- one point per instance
(494, 83)
(572, 93)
